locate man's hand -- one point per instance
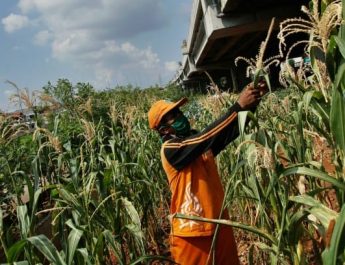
(250, 96)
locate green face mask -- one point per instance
(181, 126)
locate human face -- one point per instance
(176, 123)
(170, 117)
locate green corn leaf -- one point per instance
(114, 246)
(260, 232)
(2, 243)
(84, 253)
(135, 226)
(263, 247)
(268, 82)
(24, 222)
(330, 256)
(339, 77)
(21, 263)
(1, 223)
(258, 74)
(253, 118)
(321, 111)
(341, 45)
(72, 241)
(30, 188)
(330, 57)
(250, 255)
(133, 214)
(46, 247)
(34, 202)
(74, 172)
(342, 27)
(15, 250)
(293, 226)
(35, 172)
(313, 173)
(242, 117)
(316, 208)
(71, 199)
(337, 117)
(98, 249)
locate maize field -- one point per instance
(86, 186)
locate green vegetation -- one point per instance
(95, 192)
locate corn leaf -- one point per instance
(242, 117)
(98, 249)
(72, 241)
(341, 45)
(316, 208)
(337, 117)
(23, 219)
(134, 216)
(342, 27)
(313, 173)
(21, 263)
(3, 244)
(84, 253)
(71, 200)
(114, 246)
(330, 57)
(15, 250)
(1, 223)
(339, 77)
(334, 253)
(46, 247)
(260, 232)
(293, 225)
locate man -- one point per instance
(188, 160)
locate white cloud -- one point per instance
(14, 22)
(26, 5)
(145, 57)
(99, 36)
(172, 66)
(42, 37)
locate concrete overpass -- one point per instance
(221, 30)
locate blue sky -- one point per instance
(104, 42)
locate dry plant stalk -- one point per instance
(213, 103)
(113, 113)
(49, 101)
(30, 101)
(53, 141)
(319, 26)
(215, 99)
(10, 129)
(258, 63)
(263, 157)
(127, 118)
(89, 130)
(23, 96)
(86, 107)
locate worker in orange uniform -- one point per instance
(188, 160)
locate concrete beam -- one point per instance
(229, 5)
(225, 48)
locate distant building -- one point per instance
(221, 30)
(26, 116)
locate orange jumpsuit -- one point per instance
(197, 190)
